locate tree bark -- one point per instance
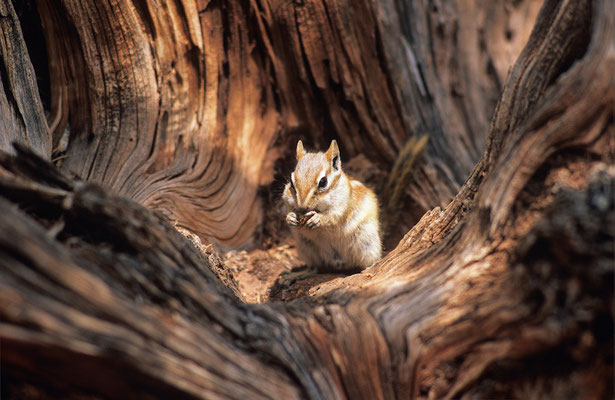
(504, 291)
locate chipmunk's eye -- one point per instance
(322, 183)
(292, 186)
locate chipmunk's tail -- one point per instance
(400, 175)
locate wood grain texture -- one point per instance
(155, 298)
(21, 113)
(455, 55)
(507, 292)
(185, 106)
(165, 104)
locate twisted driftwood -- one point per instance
(505, 291)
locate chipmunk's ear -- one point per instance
(333, 154)
(300, 150)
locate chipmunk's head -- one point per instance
(314, 185)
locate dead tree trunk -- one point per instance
(504, 291)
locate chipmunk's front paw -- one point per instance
(291, 219)
(313, 219)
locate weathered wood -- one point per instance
(183, 117)
(147, 317)
(506, 292)
(455, 56)
(155, 117)
(21, 112)
(133, 289)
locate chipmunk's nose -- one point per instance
(302, 211)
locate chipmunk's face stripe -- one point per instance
(303, 201)
(308, 198)
(334, 179)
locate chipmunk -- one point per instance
(334, 217)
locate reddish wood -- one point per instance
(505, 291)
